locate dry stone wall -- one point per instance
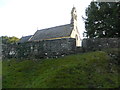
(41, 49)
(0, 48)
(56, 48)
(9, 50)
(91, 44)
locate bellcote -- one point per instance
(73, 16)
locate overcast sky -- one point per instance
(23, 17)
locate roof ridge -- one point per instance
(53, 27)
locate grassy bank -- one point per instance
(88, 70)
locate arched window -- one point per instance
(76, 37)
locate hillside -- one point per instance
(88, 70)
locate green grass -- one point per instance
(0, 67)
(88, 70)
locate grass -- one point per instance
(0, 67)
(88, 70)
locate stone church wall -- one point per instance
(91, 44)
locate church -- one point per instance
(57, 32)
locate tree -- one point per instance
(9, 40)
(103, 19)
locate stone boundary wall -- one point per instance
(56, 48)
(91, 44)
(9, 50)
(47, 48)
(0, 48)
(41, 49)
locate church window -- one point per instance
(76, 37)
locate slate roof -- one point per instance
(25, 39)
(54, 32)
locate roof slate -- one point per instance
(54, 32)
(24, 39)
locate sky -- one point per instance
(24, 17)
